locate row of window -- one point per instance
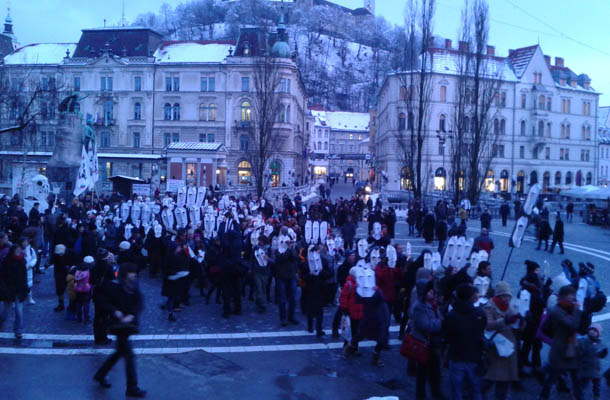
(320, 146)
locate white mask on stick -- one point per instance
(365, 278)
(363, 246)
(330, 244)
(428, 261)
(308, 231)
(282, 244)
(261, 257)
(158, 231)
(391, 254)
(377, 231)
(314, 261)
(375, 258)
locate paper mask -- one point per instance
(390, 252)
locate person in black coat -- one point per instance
(428, 227)
(504, 212)
(463, 330)
(544, 232)
(123, 301)
(558, 234)
(486, 220)
(59, 260)
(313, 293)
(102, 274)
(13, 287)
(441, 234)
(231, 267)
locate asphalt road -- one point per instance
(248, 356)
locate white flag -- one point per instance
(83, 179)
(92, 166)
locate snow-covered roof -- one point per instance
(134, 156)
(446, 61)
(194, 146)
(344, 121)
(520, 58)
(193, 51)
(602, 117)
(40, 53)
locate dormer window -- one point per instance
(246, 48)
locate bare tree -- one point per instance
(485, 81)
(267, 139)
(416, 89)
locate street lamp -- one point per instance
(442, 138)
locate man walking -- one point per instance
(504, 212)
(123, 301)
(558, 234)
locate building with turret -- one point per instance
(182, 108)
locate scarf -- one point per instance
(502, 306)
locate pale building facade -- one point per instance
(182, 108)
(603, 151)
(543, 112)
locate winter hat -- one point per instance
(60, 249)
(465, 291)
(423, 287)
(124, 245)
(101, 253)
(88, 260)
(531, 266)
(586, 268)
(598, 328)
(502, 288)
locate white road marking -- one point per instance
(204, 336)
(178, 350)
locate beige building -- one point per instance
(182, 108)
(543, 113)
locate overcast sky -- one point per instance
(568, 29)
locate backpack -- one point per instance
(81, 281)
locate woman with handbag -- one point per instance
(123, 301)
(427, 323)
(503, 369)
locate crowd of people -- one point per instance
(453, 315)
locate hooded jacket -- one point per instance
(463, 329)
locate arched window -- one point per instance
(589, 178)
(466, 124)
(440, 179)
(212, 112)
(578, 178)
(533, 178)
(541, 128)
(167, 112)
(176, 112)
(496, 127)
(541, 102)
(441, 123)
(523, 127)
(443, 93)
(520, 181)
(282, 113)
(319, 145)
(276, 171)
(246, 111)
(203, 112)
(490, 184)
(502, 126)
(243, 142)
(548, 129)
(401, 122)
(546, 179)
(557, 178)
(406, 179)
(137, 111)
(568, 178)
(504, 181)
(403, 93)
(244, 172)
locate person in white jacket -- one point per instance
(30, 263)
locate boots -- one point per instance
(60, 306)
(30, 299)
(348, 351)
(376, 361)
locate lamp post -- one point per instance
(442, 138)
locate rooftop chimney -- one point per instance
(558, 62)
(510, 52)
(463, 46)
(447, 43)
(548, 60)
(491, 50)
